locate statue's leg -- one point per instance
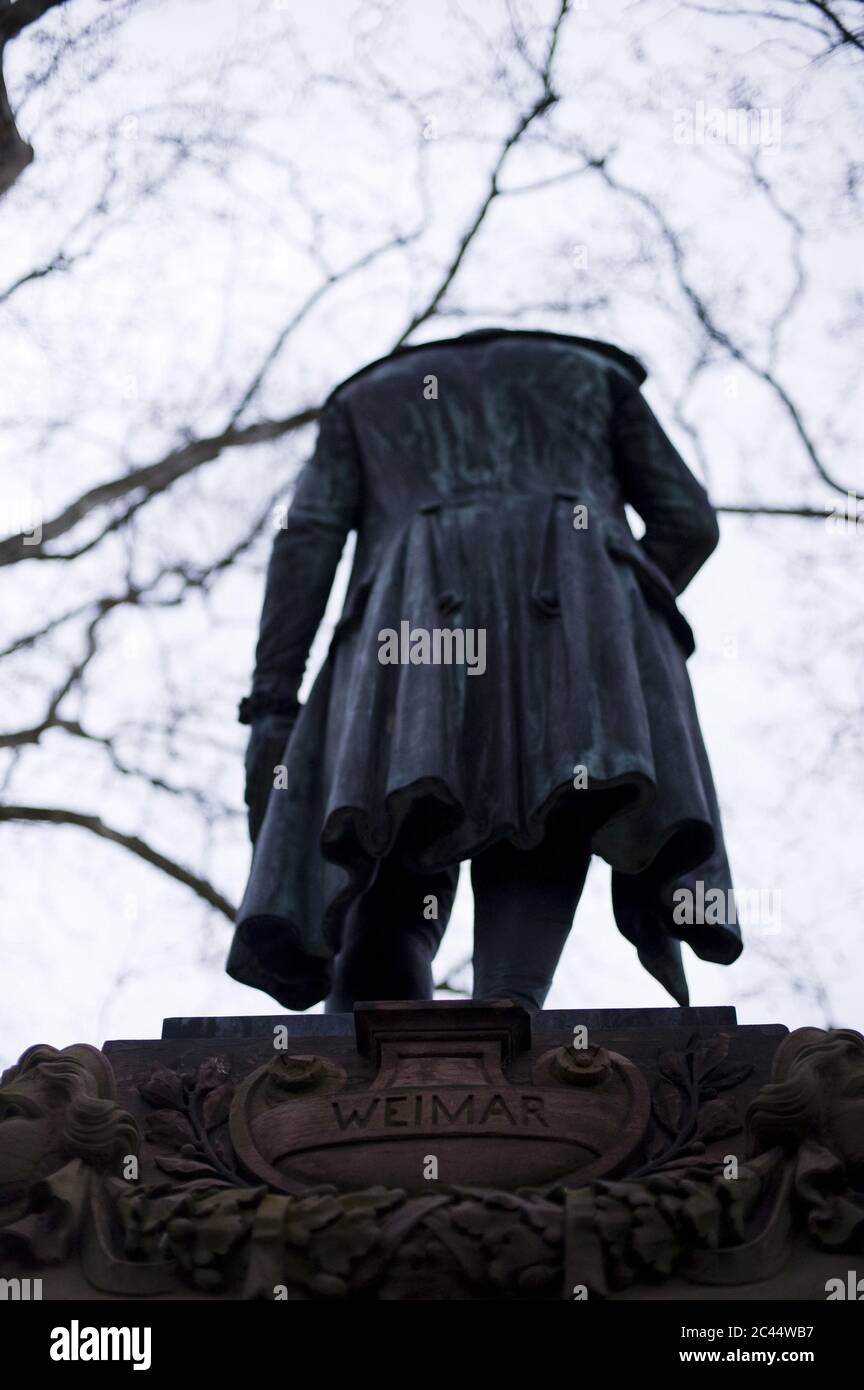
(525, 900)
(391, 936)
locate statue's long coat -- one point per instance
(463, 466)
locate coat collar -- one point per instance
(623, 359)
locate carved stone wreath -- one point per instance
(602, 1186)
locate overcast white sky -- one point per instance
(303, 126)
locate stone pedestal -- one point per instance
(443, 1150)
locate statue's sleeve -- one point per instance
(304, 559)
(680, 523)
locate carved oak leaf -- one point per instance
(164, 1089)
(341, 1243)
(473, 1214)
(654, 1239)
(673, 1066)
(545, 1216)
(204, 1231)
(216, 1105)
(612, 1219)
(326, 1235)
(635, 1194)
(170, 1128)
(667, 1105)
(520, 1256)
(502, 1240)
(186, 1167)
(724, 1078)
(701, 1213)
(211, 1073)
(308, 1215)
(708, 1055)
(719, 1118)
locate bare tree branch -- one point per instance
(845, 35)
(55, 815)
(331, 278)
(151, 478)
(15, 153)
(796, 15)
(712, 329)
(543, 103)
(155, 478)
(141, 595)
(810, 513)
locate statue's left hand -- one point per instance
(267, 739)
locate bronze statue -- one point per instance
(507, 683)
